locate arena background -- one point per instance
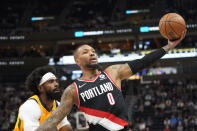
(45, 32)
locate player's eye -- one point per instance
(50, 81)
(84, 52)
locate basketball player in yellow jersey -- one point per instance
(43, 83)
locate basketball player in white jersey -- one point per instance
(43, 83)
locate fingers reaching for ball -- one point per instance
(174, 43)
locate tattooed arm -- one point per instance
(119, 72)
(122, 71)
(67, 100)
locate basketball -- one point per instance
(171, 26)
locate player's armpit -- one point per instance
(67, 101)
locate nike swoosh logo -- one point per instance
(82, 85)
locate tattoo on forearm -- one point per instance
(67, 93)
(66, 104)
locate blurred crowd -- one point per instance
(60, 16)
(11, 97)
(16, 17)
(167, 106)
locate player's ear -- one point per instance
(40, 89)
(77, 61)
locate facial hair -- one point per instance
(53, 95)
(93, 66)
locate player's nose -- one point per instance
(56, 84)
(92, 53)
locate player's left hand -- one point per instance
(173, 44)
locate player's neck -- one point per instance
(89, 74)
(47, 102)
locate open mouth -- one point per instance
(93, 59)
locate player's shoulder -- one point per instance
(29, 104)
(71, 86)
(29, 108)
(111, 70)
(69, 91)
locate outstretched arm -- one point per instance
(67, 100)
(123, 71)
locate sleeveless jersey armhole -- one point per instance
(111, 79)
(77, 94)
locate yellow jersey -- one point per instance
(19, 126)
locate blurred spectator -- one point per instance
(166, 122)
(142, 125)
(180, 127)
(167, 128)
(149, 122)
(173, 122)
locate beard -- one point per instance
(92, 66)
(53, 95)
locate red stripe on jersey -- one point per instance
(112, 80)
(91, 79)
(103, 114)
(76, 90)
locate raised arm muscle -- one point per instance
(119, 71)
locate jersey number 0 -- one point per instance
(110, 98)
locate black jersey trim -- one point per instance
(56, 104)
(112, 80)
(76, 90)
(92, 80)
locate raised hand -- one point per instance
(172, 44)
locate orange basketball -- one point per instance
(171, 26)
